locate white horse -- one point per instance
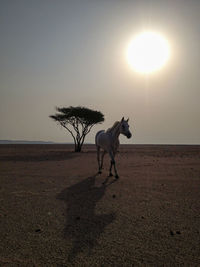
(109, 142)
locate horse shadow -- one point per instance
(83, 225)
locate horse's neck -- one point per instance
(116, 132)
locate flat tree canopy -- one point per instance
(78, 121)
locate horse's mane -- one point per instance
(113, 127)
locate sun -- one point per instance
(148, 52)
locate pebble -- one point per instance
(171, 232)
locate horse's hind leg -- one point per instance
(102, 156)
(98, 158)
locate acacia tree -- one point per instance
(78, 121)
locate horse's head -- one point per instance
(124, 128)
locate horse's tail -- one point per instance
(97, 134)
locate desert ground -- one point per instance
(55, 210)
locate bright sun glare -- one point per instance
(148, 52)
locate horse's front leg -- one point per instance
(112, 163)
(110, 170)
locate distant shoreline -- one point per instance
(7, 142)
(24, 142)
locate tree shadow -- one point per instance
(83, 225)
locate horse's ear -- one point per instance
(127, 119)
(122, 119)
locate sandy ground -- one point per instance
(55, 211)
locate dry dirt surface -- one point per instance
(55, 209)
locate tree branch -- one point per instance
(64, 125)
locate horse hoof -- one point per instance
(99, 172)
(110, 174)
(116, 176)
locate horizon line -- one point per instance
(6, 142)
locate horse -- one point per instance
(109, 142)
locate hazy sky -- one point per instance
(68, 52)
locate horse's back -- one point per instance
(97, 136)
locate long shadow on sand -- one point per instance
(45, 156)
(83, 225)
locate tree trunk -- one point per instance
(78, 147)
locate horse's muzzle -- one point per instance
(129, 135)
